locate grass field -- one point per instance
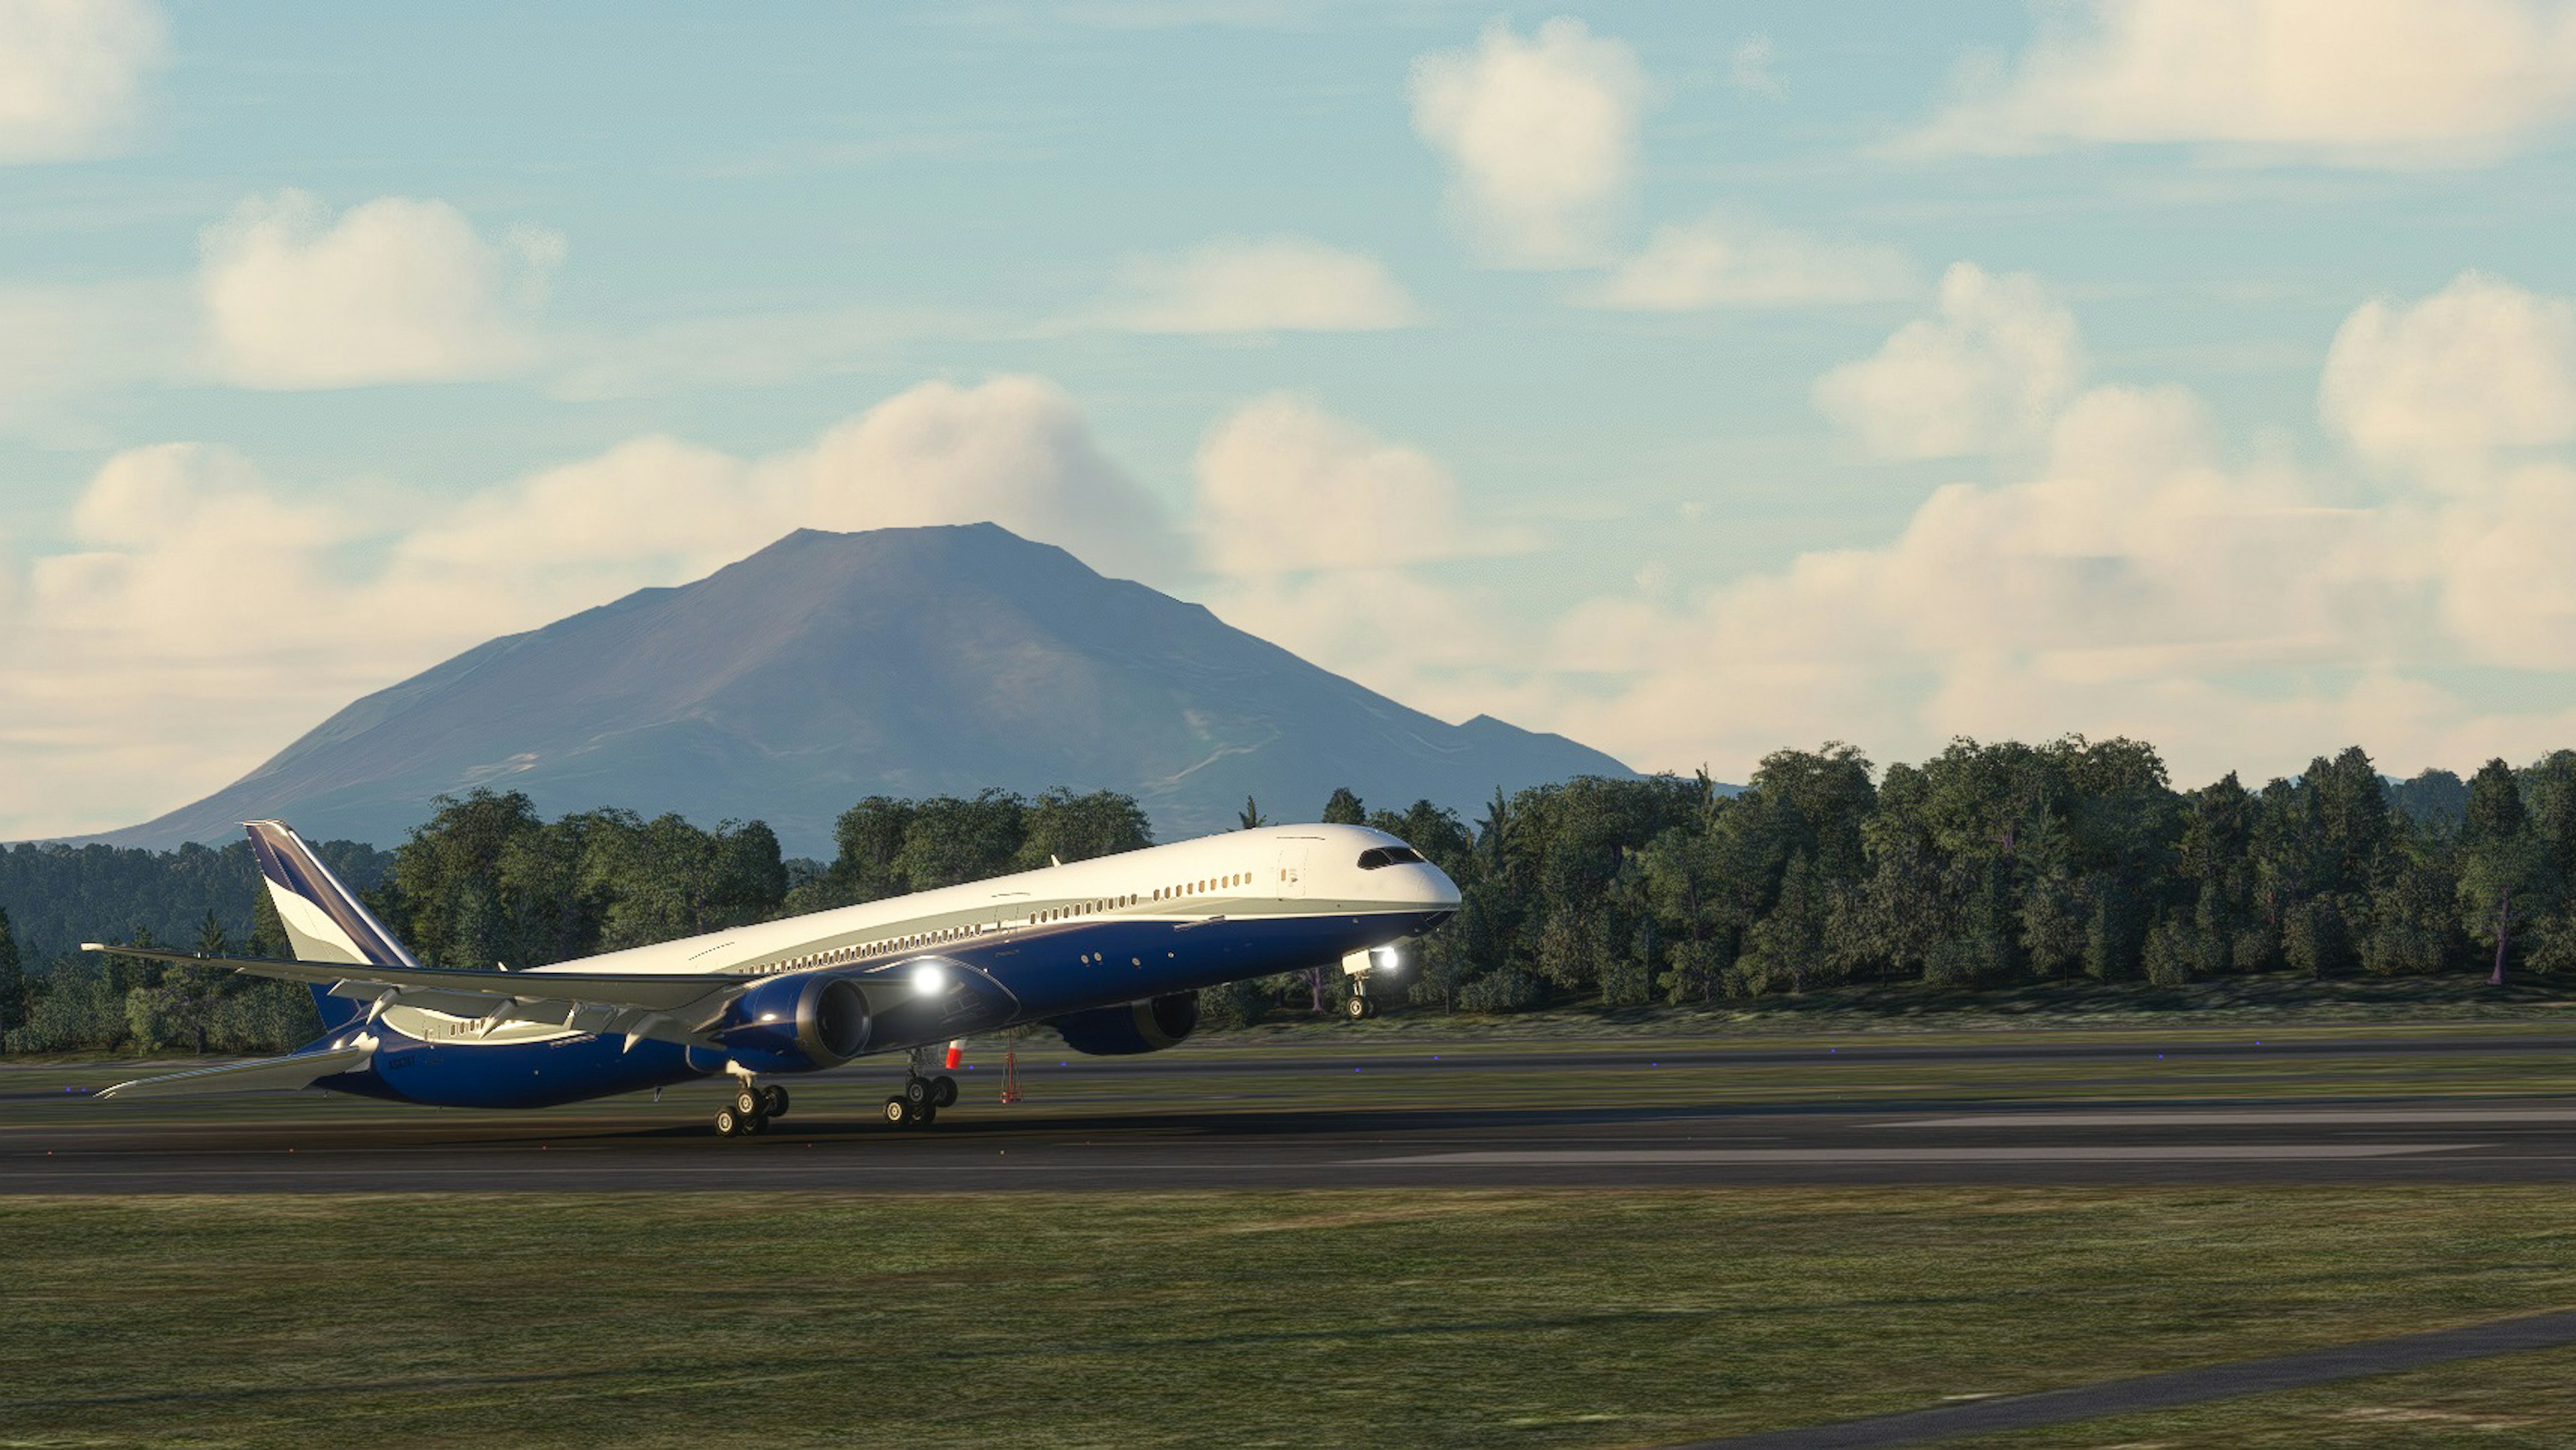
(1364, 1071)
(1444, 1317)
(1354, 1318)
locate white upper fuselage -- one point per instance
(1267, 872)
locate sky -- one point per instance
(1696, 381)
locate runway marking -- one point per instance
(2240, 1119)
(2115, 1153)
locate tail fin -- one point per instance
(324, 920)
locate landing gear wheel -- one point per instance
(747, 1101)
(754, 1127)
(924, 1116)
(773, 1102)
(730, 1124)
(917, 1091)
(1359, 1009)
(943, 1091)
(897, 1111)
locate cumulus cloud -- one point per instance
(2479, 365)
(1988, 372)
(297, 600)
(1275, 284)
(2132, 578)
(393, 290)
(1732, 262)
(71, 74)
(1540, 135)
(1286, 488)
(2364, 82)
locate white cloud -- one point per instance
(1988, 373)
(1750, 70)
(393, 290)
(71, 74)
(196, 590)
(1730, 262)
(1540, 135)
(2363, 82)
(2134, 580)
(2479, 365)
(1286, 488)
(1275, 284)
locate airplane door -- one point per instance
(1292, 868)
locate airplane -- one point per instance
(1110, 951)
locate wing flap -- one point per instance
(265, 1074)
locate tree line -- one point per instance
(1987, 865)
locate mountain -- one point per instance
(907, 662)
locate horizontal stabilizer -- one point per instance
(268, 1074)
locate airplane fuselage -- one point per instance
(973, 958)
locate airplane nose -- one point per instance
(1438, 889)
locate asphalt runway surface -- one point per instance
(1187, 1131)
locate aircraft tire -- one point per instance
(773, 1101)
(924, 1116)
(729, 1124)
(746, 1101)
(898, 1112)
(943, 1091)
(1357, 1009)
(917, 1091)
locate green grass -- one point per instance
(2519, 1399)
(1349, 1318)
(1316, 1074)
(2277, 998)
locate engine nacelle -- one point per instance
(797, 1024)
(1137, 1027)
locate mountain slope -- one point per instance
(828, 667)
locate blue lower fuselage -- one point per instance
(1026, 976)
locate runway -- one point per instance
(1644, 1117)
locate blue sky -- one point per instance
(1696, 380)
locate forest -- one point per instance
(1988, 865)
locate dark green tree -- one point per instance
(13, 982)
(1344, 808)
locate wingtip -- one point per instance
(93, 946)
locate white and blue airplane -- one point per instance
(1110, 951)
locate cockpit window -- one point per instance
(1378, 856)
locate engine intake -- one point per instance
(797, 1024)
(1148, 1026)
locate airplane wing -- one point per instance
(300, 1070)
(665, 1006)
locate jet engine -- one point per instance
(797, 1024)
(1148, 1026)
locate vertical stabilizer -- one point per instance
(324, 920)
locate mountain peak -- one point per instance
(826, 667)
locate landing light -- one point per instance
(929, 980)
(1387, 960)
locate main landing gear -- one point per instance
(918, 1105)
(923, 1095)
(748, 1115)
